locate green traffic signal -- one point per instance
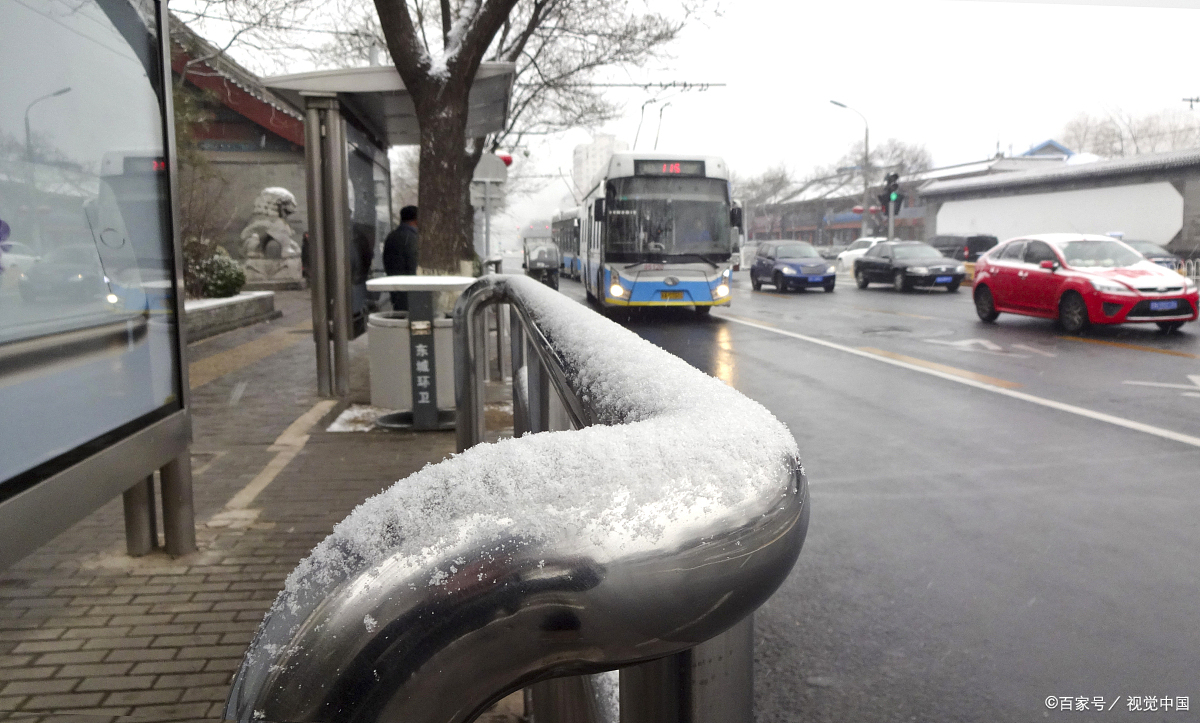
(894, 195)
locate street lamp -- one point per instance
(31, 201)
(866, 167)
(28, 142)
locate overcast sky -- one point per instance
(958, 76)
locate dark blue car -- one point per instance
(791, 265)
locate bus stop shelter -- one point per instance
(352, 116)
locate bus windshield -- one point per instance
(672, 219)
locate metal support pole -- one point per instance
(314, 124)
(335, 235)
(866, 172)
(179, 526)
(491, 345)
(539, 392)
(520, 379)
(487, 219)
(711, 683)
(564, 700)
(141, 535)
(891, 220)
(505, 342)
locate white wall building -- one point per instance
(591, 157)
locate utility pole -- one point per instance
(866, 166)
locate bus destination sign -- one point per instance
(137, 165)
(668, 168)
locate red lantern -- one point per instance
(506, 158)
(857, 209)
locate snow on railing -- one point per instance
(677, 510)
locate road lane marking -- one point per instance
(286, 447)
(1190, 390)
(981, 346)
(213, 367)
(1035, 350)
(1135, 347)
(1023, 396)
(942, 368)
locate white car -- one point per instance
(845, 260)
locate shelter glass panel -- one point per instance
(88, 335)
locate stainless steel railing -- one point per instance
(375, 626)
(1191, 269)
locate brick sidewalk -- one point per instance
(87, 631)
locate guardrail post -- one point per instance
(711, 683)
(538, 389)
(564, 700)
(520, 380)
(505, 360)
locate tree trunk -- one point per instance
(445, 180)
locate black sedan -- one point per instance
(1157, 254)
(905, 264)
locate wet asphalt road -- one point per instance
(970, 554)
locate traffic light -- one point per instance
(891, 197)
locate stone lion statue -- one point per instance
(268, 234)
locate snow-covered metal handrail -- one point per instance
(671, 516)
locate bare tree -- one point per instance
(766, 187)
(558, 47)
(1119, 133)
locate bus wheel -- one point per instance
(703, 311)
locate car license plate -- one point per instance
(815, 279)
(670, 295)
(1163, 305)
(943, 279)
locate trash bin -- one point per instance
(388, 354)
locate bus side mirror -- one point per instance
(598, 210)
(735, 217)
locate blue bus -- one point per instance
(565, 228)
(657, 232)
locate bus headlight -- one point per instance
(721, 291)
(616, 290)
(112, 298)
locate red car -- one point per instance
(1081, 280)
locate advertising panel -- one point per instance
(89, 350)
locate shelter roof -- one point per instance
(378, 97)
(236, 87)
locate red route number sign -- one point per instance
(668, 168)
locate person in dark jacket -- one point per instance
(400, 251)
